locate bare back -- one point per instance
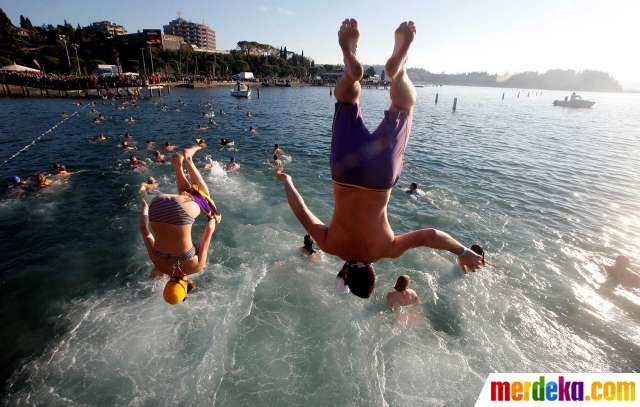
(359, 229)
(396, 299)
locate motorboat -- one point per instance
(576, 101)
(241, 90)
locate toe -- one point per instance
(353, 22)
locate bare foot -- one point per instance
(404, 36)
(177, 159)
(348, 37)
(189, 152)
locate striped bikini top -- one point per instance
(165, 209)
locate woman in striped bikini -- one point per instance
(171, 217)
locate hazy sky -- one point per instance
(453, 36)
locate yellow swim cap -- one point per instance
(175, 291)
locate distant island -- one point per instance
(49, 48)
(554, 79)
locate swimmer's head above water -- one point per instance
(359, 277)
(232, 159)
(413, 186)
(151, 180)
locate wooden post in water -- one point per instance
(455, 102)
(159, 92)
(436, 98)
(150, 93)
(502, 95)
(258, 93)
(24, 91)
(518, 95)
(168, 90)
(330, 91)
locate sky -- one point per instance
(454, 36)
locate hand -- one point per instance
(471, 261)
(282, 176)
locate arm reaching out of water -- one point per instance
(205, 241)
(438, 240)
(309, 221)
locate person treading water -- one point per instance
(359, 231)
(171, 217)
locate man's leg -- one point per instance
(348, 87)
(403, 93)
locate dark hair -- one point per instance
(148, 141)
(402, 283)
(62, 168)
(56, 166)
(477, 249)
(132, 157)
(308, 243)
(167, 144)
(275, 156)
(276, 146)
(222, 139)
(414, 185)
(360, 280)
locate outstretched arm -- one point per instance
(205, 241)
(309, 221)
(438, 240)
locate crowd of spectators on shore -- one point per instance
(73, 82)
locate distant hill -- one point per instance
(556, 79)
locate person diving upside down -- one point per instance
(171, 216)
(364, 167)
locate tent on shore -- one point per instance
(18, 68)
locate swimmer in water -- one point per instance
(200, 142)
(208, 164)
(96, 120)
(130, 120)
(212, 122)
(16, 188)
(159, 157)
(42, 181)
(359, 231)
(62, 171)
(126, 146)
(168, 146)
(222, 113)
(201, 127)
(64, 115)
(226, 143)
(149, 185)
(101, 117)
(402, 295)
(232, 164)
(135, 163)
(277, 150)
(248, 114)
(276, 161)
(94, 111)
(619, 274)
(171, 217)
(149, 144)
(308, 249)
(127, 135)
(252, 129)
(101, 137)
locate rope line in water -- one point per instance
(33, 142)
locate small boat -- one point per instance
(577, 101)
(241, 90)
(418, 85)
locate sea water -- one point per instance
(551, 193)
